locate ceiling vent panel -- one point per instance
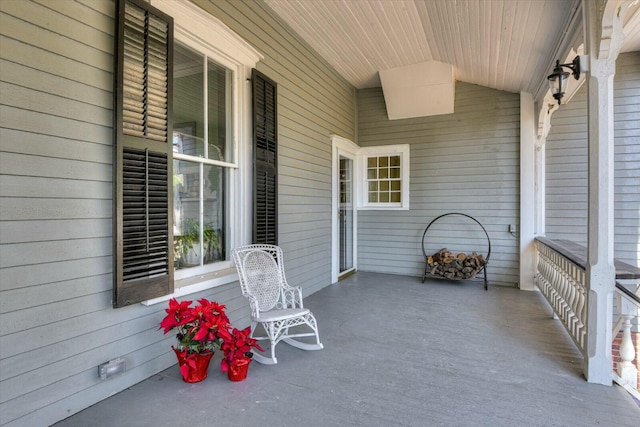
(418, 90)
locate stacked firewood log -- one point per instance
(455, 266)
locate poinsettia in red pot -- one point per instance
(236, 347)
(194, 367)
(199, 331)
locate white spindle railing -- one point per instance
(628, 306)
(563, 283)
(562, 279)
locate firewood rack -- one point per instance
(426, 256)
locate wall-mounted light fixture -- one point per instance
(558, 79)
(111, 368)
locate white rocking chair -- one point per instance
(274, 304)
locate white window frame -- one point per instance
(379, 151)
(204, 33)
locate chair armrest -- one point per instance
(253, 303)
(292, 297)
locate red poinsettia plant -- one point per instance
(236, 345)
(200, 328)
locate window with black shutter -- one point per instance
(265, 149)
(143, 252)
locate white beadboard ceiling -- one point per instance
(502, 44)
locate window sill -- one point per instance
(382, 207)
(197, 283)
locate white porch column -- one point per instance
(549, 106)
(540, 195)
(603, 36)
(527, 192)
(600, 269)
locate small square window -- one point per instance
(386, 177)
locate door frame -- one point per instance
(346, 148)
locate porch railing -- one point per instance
(563, 283)
(628, 306)
(561, 278)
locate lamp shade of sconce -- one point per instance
(558, 79)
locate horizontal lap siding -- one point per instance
(627, 158)
(55, 252)
(567, 163)
(465, 162)
(566, 171)
(56, 137)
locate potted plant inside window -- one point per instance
(211, 243)
(200, 330)
(187, 244)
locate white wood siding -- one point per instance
(56, 137)
(566, 165)
(465, 162)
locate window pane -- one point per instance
(384, 185)
(199, 189)
(373, 186)
(384, 197)
(384, 161)
(188, 251)
(186, 214)
(395, 185)
(372, 162)
(394, 161)
(394, 173)
(345, 180)
(384, 173)
(373, 197)
(372, 174)
(188, 101)
(395, 197)
(220, 140)
(214, 221)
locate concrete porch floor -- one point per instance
(397, 353)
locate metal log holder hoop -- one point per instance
(426, 256)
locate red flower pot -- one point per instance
(194, 367)
(238, 369)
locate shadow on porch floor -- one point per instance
(397, 353)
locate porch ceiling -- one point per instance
(503, 44)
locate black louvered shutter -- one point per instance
(265, 151)
(143, 255)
